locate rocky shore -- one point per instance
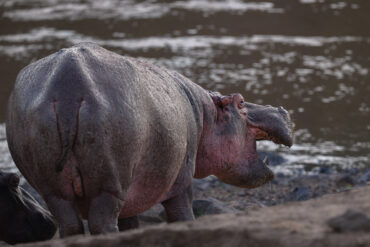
(211, 196)
(288, 211)
(338, 219)
(282, 188)
(274, 214)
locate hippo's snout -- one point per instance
(282, 110)
(271, 123)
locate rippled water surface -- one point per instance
(310, 56)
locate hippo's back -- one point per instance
(86, 120)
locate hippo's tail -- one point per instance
(67, 118)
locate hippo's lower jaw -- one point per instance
(249, 174)
(262, 174)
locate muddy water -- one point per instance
(310, 56)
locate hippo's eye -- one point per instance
(241, 104)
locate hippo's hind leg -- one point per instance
(179, 207)
(103, 213)
(128, 223)
(67, 215)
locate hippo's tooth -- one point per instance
(266, 161)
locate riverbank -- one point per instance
(339, 219)
(211, 196)
(282, 188)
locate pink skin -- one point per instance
(214, 150)
(232, 158)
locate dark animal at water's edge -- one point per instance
(107, 137)
(22, 219)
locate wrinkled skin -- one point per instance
(107, 137)
(22, 219)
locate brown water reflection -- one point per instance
(311, 56)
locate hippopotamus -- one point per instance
(105, 137)
(22, 218)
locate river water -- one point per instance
(310, 56)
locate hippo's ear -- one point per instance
(220, 100)
(13, 180)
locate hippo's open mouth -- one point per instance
(261, 135)
(267, 123)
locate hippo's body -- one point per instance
(109, 136)
(22, 218)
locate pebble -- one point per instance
(365, 177)
(209, 206)
(300, 193)
(350, 221)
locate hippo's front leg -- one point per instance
(179, 207)
(103, 213)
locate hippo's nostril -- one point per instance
(282, 110)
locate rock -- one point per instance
(210, 206)
(320, 190)
(325, 169)
(345, 180)
(353, 171)
(274, 158)
(365, 177)
(199, 184)
(350, 221)
(300, 193)
(152, 216)
(207, 206)
(204, 183)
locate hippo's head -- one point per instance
(228, 147)
(22, 218)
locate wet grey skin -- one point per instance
(22, 218)
(105, 137)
